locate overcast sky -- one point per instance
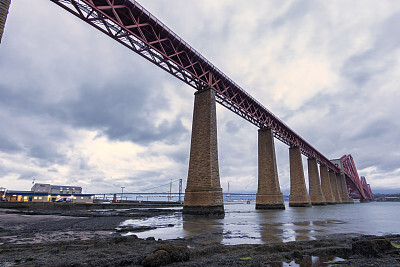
(78, 108)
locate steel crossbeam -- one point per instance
(127, 22)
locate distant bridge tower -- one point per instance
(180, 190)
(4, 6)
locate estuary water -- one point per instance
(243, 224)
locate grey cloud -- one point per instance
(297, 10)
(52, 170)
(84, 164)
(28, 176)
(47, 154)
(363, 67)
(179, 155)
(124, 112)
(8, 145)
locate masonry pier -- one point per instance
(269, 195)
(326, 185)
(298, 192)
(203, 194)
(339, 187)
(343, 188)
(315, 191)
(335, 191)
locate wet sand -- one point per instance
(89, 238)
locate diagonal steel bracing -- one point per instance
(358, 186)
(127, 22)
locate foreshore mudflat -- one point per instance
(87, 238)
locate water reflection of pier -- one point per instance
(205, 230)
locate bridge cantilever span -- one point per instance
(356, 186)
(130, 24)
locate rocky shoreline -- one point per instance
(90, 238)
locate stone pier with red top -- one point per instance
(339, 186)
(314, 185)
(326, 185)
(335, 191)
(203, 194)
(269, 195)
(298, 192)
(343, 189)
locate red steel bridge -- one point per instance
(128, 23)
(357, 188)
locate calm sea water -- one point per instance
(243, 224)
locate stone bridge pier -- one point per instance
(343, 188)
(334, 186)
(315, 190)
(203, 194)
(298, 192)
(326, 185)
(269, 195)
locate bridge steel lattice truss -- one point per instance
(127, 22)
(357, 188)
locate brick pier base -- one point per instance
(326, 185)
(343, 189)
(335, 191)
(269, 195)
(316, 196)
(298, 192)
(203, 194)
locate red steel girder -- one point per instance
(367, 188)
(358, 187)
(127, 22)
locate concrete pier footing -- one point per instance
(269, 195)
(314, 185)
(203, 194)
(298, 192)
(326, 185)
(335, 191)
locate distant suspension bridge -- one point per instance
(164, 192)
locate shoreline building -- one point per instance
(49, 193)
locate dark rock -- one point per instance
(371, 248)
(150, 238)
(54, 251)
(297, 254)
(120, 239)
(158, 258)
(176, 252)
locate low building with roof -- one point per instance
(49, 193)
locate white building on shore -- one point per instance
(49, 193)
